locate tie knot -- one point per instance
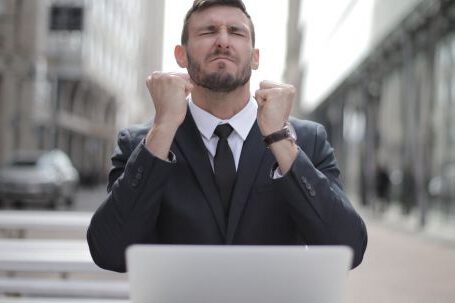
(223, 131)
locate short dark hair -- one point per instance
(199, 5)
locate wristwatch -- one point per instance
(287, 132)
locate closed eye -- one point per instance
(208, 30)
(238, 31)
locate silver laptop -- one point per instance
(237, 274)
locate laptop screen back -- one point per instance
(240, 274)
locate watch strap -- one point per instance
(279, 135)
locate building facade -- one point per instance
(72, 72)
(379, 75)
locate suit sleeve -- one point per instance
(320, 208)
(130, 211)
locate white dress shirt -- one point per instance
(241, 123)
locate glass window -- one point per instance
(2, 7)
(66, 18)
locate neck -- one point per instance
(221, 105)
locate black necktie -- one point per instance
(224, 165)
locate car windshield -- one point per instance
(25, 158)
(55, 159)
(23, 162)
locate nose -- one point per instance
(222, 40)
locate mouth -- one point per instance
(221, 58)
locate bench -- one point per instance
(57, 300)
(64, 288)
(66, 258)
(16, 224)
(25, 263)
(45, 256)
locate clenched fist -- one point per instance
(274, 105)
(169, 92)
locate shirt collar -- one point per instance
(242, 122)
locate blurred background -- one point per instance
(379, 74)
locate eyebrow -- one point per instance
(237, 28)
(206, 28)
(231, 28)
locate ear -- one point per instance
(180, 56)
(255, 59)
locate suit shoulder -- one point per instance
(135, 133)
(138, 129)
(305, 125)
(310, 134)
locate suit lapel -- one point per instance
(252, 153)
(189, 140)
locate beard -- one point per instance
(219, 81)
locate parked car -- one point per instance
(43, 177)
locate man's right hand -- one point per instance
(169, 92)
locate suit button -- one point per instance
(304, 180)
(308, 186)
(312, 193)
(138, 176)
(140, 169)
(134, 183)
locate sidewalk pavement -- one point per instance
(403, 267)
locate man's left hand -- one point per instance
(274, 105)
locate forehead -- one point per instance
(218, 15)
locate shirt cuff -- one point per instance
(276, 172)
(171, 158)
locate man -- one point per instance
(185, 179)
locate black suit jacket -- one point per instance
(154, 201)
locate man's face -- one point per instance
(219, 53)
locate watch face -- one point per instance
(292, 133)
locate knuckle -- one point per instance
(154, 77)
(259, 94)
(173, 79)
(290, 89)
(150, 78)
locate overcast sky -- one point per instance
(269, 17)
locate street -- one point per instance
(399, 266)
(403, 267)
(89, 198)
